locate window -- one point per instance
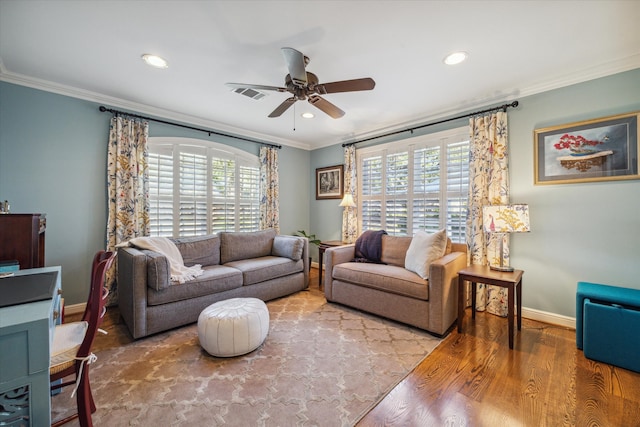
(198, 187)
(418, 184)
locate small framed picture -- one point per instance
(604, 149)
(330, 182)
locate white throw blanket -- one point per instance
(179, 272)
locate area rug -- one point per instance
(322, 364)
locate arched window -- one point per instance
(199, 187)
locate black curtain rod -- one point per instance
(501, 107)
(124, 113)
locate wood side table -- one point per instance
(483, 274)
(323, 247)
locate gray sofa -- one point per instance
(246, 264)
(390, 290)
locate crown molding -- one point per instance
(138, 108)
(603, 70)
(562, 80)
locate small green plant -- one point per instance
(312, 237)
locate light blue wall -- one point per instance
(326, 216)
(53, 159)
(580, 232)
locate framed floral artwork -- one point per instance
(330, 182)
(604, 149)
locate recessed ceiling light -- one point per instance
(307, 115)
(455, 58)
(155, 61)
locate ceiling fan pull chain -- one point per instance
(294, 117)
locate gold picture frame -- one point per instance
(330, 182)
(603, 149)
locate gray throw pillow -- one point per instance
(235, 246)
(287, 247)
(203, 250)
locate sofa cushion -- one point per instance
(158, 270)
(394, 249)
(256, 270)
(243, 245)
(388, 278)
(424, 249)
(203, 250)
(216, 278)
(287, 246)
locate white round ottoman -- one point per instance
(233, 327)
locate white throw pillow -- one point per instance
(423, 250)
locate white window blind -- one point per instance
(417, 184)
(198, 187)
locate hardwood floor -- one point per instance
(473, 379)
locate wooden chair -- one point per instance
(71, 350)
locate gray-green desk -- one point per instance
(29, 311)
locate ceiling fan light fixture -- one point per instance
(307, 115)
(455, 58)
(155, 61)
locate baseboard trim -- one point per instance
(546, 317)
(79, 309)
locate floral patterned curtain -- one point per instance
(350, 215)
(488, 184)
(269, 189)
(128, 187)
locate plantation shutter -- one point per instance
(161, 192)
(426, 189)
(249, 189)
(397, 186)
(371, 193)
(223, 190)
(193, 194)
(457, 189)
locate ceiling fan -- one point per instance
(303, 84)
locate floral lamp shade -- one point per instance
(502, 219)
(506, 218)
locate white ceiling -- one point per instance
(92, 49)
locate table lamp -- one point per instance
(502, 219)
(347, 201)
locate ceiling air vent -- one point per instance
(251, 93)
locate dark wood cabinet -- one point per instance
(22, 239)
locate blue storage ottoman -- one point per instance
(607, 324)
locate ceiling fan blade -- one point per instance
(257, 87)
(366, 83)
(296, 63)
(326, 106)
(283, 107)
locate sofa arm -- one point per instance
(132, 289)
(334, 256)
(305, 260)
(443, 290)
